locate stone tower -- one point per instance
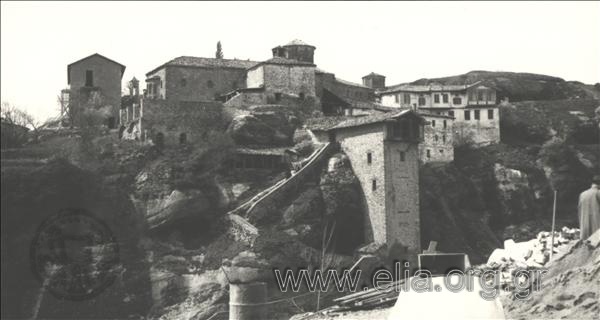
(383, 150)
(297, 50)
(374, 80)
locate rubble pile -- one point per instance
(528, 255)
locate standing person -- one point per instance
(589, 209)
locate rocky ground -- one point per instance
(571, 288)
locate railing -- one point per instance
(240, 227)
(280, 187)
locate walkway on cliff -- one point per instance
(238, 217)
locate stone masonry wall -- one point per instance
(402, 200)
(357, 142)
(290, 79)
(201, 84)
(106, 76)
(438, 143)
(245, 99)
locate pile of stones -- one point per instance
(528, 255)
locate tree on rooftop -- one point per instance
(219, 53)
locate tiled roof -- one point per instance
(261, 151)
(324, 123)
(284, 61)
(426, 88)
(187, 61)
(298, 42)
(348, 83)
(370, 119)
(373, 74)
(434, 115)
(333, 123)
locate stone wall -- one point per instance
(357, 143)
(255, 77)
(479, 132)
(106, 77)
(438, 142)
(201, 84)
(197, 120)
(289, 79)
(388, 172)
(343, 90)
(402, 202)
(245, 99)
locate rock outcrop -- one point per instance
(266, 128)
(343, 199)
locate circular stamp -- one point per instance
(74, 255)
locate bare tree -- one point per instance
(15, 125)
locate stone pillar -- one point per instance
(247, 301)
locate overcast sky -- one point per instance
(403, 40)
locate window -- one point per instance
(374, 184)
(428, 154)
(480, 95)
(407, 98)
(472, 96)
(421, 101)
(210, 84)
(476, 114)
(490, 114)
(369, 158)
(444, 138)
(183, 82)
(445, 98)
(445, 124)
(433, 123)
(467, 115)
(277, 96)
(435, 138)
(451, 113)
(436, 98)
(489, 96)
(456, 100)
(397, 98)
(301, 96)
(89, 78)
(402, 156)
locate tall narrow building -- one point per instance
(383, 150)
